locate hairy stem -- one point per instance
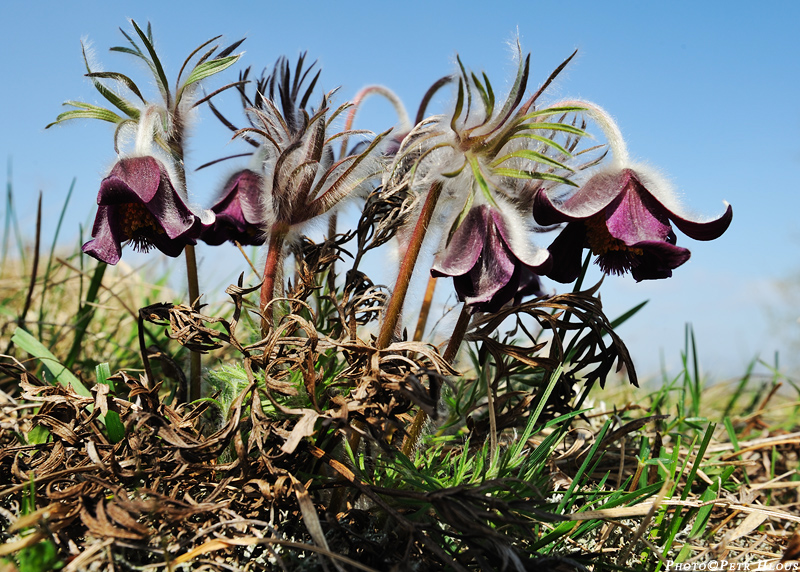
(458, 334)
(425, 309)
(407, 268)
(277, 237)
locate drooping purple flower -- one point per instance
(623, 218)
(490, 264)
(138, 203)
(240, 213)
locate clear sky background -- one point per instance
(706, 91)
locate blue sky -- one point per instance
(705, 91)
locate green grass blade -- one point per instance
(740, 388)
(12, 222)
(568, 495)
(704, 514)
(538, 411)
(52, 255)
(627, 315)
(7, 222)
(680, 520)
(62, 375)
(85, 313)
(114, 426)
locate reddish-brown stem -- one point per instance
(277, 236)
(407, 268)
(458, 334)
(425, 310)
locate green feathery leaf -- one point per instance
(487, 102)
(122, 78)
(194, 52)
(481, 180)
(530, 155)
(547, 141)
(552, 111)
(466, 86)
(155, 63)
(459, 105)
(552, 127)
(115, 99)
(86, 111)
(461, 216)
(520, 174)
(209, 68)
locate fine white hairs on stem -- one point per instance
(619, 149)
(150, 126)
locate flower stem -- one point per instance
(425, 310)
(194, 297)
(272, 266)
(395, 306)
(457, 336)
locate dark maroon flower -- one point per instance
(491, 263)
(240, 212)
(138, 203)
(626, 223)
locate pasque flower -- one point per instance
(138, 203)
(623, 215)
(485, 161)
(490, 261)
(144, 198)
(239, 212)
(301, 179)
(622, 218)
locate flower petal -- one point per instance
(651, 185)
(704, 230)
(494, 269)
(658, 260)
(136, 179)
(635, 216)
(538, 259)
(239, 213)
(595, 195)
(566, 251)
(464, 249)
(529, 285)
(106, 245)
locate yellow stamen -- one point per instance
(134, 217)
(600, 240)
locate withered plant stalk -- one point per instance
(194, 298)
